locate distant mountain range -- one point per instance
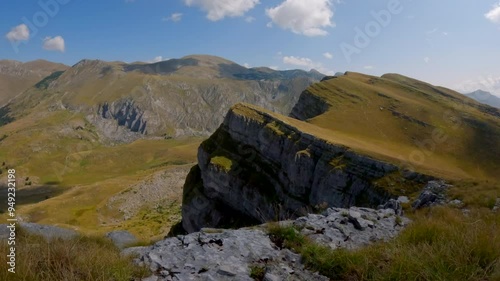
(485, 97)
(178, 97)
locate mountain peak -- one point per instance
(485, 97)
(208, 59)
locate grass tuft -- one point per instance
(80, 258)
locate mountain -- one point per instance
(485, 97)
(424, 127)
(351, 140)
(178, 97)
(16, 77)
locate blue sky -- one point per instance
(454, 43)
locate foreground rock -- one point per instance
(433, 194)
(213, 254)
(260, 166)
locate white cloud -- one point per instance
(328, 55)
(427, 59)
(157, 59)
(432, 31)
(488, 83)
(309, 17)
(368, 67)
(219, 9)
(54, 44)
(494, 14)
(18, 33)
(307, 64)
(273, 67)
(175, 17)
(298, 61)
(249, 19)
(246, 65)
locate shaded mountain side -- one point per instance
(261, 166)
(174, 98)
(429, 128)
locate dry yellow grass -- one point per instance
(76, 259)
(440, 244)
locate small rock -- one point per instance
(403, 199)
(226, 271)
(456, 203)
(121, 238)
(151, 278)
(497, 205)
(393, 205)
(271, 277)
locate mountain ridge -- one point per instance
(485, 97)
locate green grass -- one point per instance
(80, 258)
(257, 272)
(440, 244)
(223, 162)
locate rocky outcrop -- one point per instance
(308, 106)
(260, 166)
(433, 194)
(218, 254)
(126, 114)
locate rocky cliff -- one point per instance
(260, 166)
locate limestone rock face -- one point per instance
(260, 166)
(218, 254)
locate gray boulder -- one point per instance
(393, 205)
(433, 194)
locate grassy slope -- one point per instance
(12, 85)
(72, 176)
(457, 140)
